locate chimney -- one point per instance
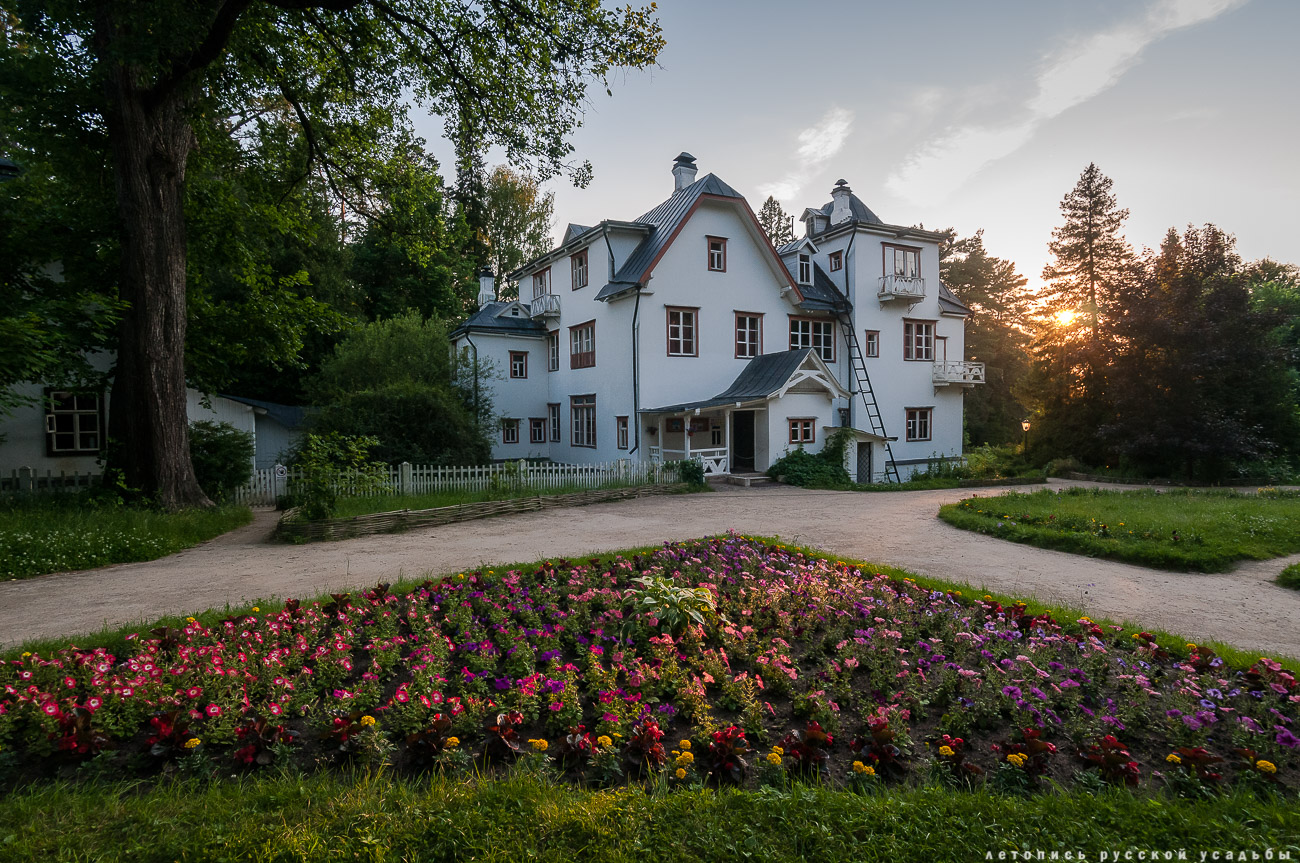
(487, 291)
(683, 171)
(840, 209)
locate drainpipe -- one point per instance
(636, 383)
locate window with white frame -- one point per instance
(682, 333)
(715, 435)
(519, 364)
(902, 261)
(541, 283)
(749, 335)
(871, 344)
(553, 417)
(510, 431)
(836, 261)
(805, 270)
(918, 340)
(918, 423)
(553, 351)
(583, 417)
(717, 254)
(74, 423)
(537, 430)
(815, 333)
(578, 265)
(620, 426)
(582, 346)
(803, 430)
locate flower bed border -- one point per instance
(294, 529)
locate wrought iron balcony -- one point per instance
(545, 306)
(909, 289)
(959, 373)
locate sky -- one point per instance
(969, 115)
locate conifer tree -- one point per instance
(776, 222)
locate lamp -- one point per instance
(1024, 426)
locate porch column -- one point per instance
(659, 433)
(726, 439)
(686, 436)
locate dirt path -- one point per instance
(1241, 608)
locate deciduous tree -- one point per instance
(518, 217)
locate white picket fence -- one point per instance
(28, 480)
(407, 479)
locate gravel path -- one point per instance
(1242, 608)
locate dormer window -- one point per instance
(717, 254)
(805, 270)
(541, 283)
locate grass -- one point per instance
(1180, 529)
(1290, 577)
(352, 506)
(334, 816)
(40, 535)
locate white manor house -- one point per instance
(684, 334)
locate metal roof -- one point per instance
(289, 416)
(573, 232)
(823, 294)
(762, 377)
(949, 304)
(860, 211)
(486, 320)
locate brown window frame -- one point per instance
(812, 342)
(694, 312)
(708, 248)
(870, 345)
(621, 435)
(509, 425)
(758, 316)
(909, 340)
(51, 422)
(545, 276)
(802, 430)
(583, 359)
(574, 405)
(578, 260)
(553, 350)
(886, 262)
(518, 355)
(553, 419)
(925, 415)
(534, 425)
(835, 261)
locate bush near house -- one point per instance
(222, 456)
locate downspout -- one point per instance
(635, 419)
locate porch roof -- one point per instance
(763, 378)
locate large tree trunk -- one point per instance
(148, 428)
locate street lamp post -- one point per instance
(1024, 426)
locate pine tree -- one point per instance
(1092, 260)
(776, 222)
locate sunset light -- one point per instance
(1065, 317)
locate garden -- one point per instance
(1190, 530)
(730, 672)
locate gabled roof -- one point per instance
(289, 416)
(765, 377)
(795, 245)
(495, 318)
(573, 232)
(949, 304)
(823, 294)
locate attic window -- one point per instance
(717, 254)
(805, 270)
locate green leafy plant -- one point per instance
(324, 460)
(674, 606)
(222, 457)
(1290, 577)
(824, 469)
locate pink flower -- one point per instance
(50, 708)
(69, 682)
(557, 706)
(194, 692)
(275, 709)
(213, 710)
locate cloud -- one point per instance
(1080, 71)
(817, 144)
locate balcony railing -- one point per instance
(907, 288)
(714, 459)
(960, 373)
(545, 306)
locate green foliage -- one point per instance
(403, 349)
(57, 533)
(675, 606)
(326, 461)
(776, 222)
(1290, 577)
(409, 422)
(222, 457)
(1182, 529)
(518, 219)
(691, 472)
(823, 469)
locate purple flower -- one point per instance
(1012, 692)
(1215, 694)
(1173, 714)
(502, 682)
(1251, 724)
(1286, 738)
(1038, 693)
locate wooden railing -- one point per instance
(958, 373)
(893, 287)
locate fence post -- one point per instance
(26, 479)
(404, 481)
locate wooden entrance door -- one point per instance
(742, 441)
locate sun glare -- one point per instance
(1065, 317)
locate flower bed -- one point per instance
(724, 661)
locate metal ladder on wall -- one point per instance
(868, 395)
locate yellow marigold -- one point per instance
(1017, 758)
(685, 744)
(987, 598)
(367, 721)
(1191, 646)
(773, 758)
(681, 773)
(684, 759)
(192, 742)
(189, 620)
(945, 751)
(1265, 766)
(778, 750)
(604, 742)
(863, 769)
(255, 608)
(539, 745)
(453, 742)
(1173, 759)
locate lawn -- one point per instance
(351, 506)
(1290, 577)
(54, 534)
(1179, 529)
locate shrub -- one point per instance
(823, 469)
(691, 472)
(1290, 577)
(324, 460)
(1062, 466)
(222, 457)
(410, 421)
